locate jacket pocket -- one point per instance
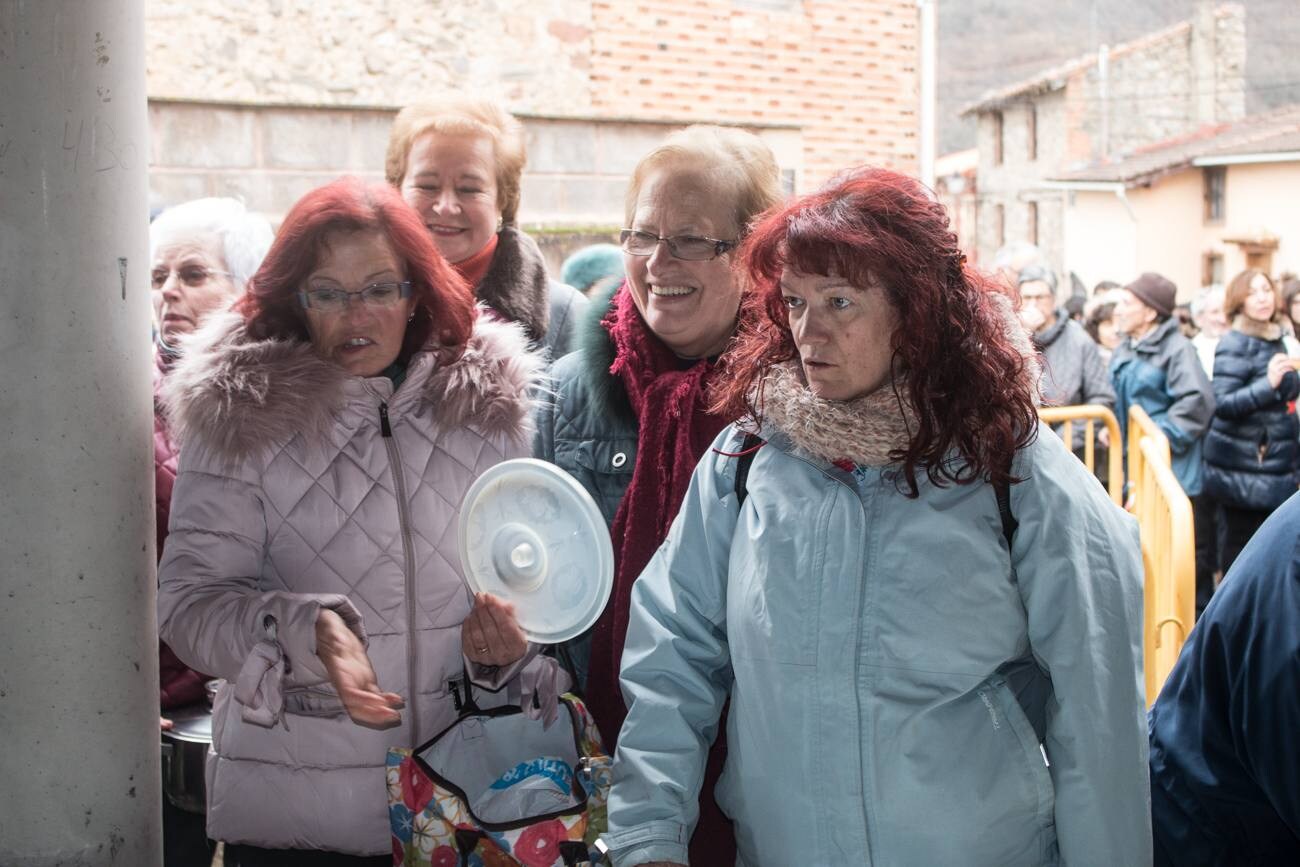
(1032, 759)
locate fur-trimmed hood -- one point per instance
(517, 285)
(239, 396)
(1270, 330)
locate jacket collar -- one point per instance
(239, 396)
(517, 285)
(1048, 337)
(1153, 341)
(1254, 328)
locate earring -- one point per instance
(411, 317)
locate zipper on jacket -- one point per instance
(856, 493)
(408, 569)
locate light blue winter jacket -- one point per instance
(873, 647)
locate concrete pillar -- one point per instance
(79, 775)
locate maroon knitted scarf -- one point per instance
(667, 394)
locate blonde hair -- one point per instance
(737, 160)
(462, 115)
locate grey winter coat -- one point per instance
(1073, 372)
(302, 487)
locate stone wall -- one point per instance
(843, 71)
(535, 55)
(269, 155)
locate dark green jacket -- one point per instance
(587, 427)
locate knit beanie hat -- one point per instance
(1156, 292)
(590, 264)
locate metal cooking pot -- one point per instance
(184, 752)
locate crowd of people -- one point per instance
(860, 603)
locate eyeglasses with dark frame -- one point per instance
(332, 300)
(690, 248)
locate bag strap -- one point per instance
(1009, 523)
(748, 448)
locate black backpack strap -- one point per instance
(1009, 522)
(748, 448)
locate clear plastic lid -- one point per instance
(531, 535)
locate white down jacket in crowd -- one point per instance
(303, 486)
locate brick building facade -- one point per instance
(266, 100)
(1099, 107)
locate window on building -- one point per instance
(1215, 183)
(1031, 133)
(1000, 224)
(997, 138)
(1211, 268)
(1031, 223)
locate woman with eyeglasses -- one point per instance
(923, 611)
(1252, 456)
(330, 427)
(202, 253)
(458, 161)
(629, 418)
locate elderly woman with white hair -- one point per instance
(201, 255)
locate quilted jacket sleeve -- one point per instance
(212, 609)
(1241, 387)
(1079, 568)
(675, 677)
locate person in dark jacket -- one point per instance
(1252, 455)
(1156, 368)
(629, 418)
(1225, 758)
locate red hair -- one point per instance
(443, 301)
(968, 383)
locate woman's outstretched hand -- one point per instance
(352, 674)
(491, 635)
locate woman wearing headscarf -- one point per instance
(330, 427)
(913, 678)
(630, 417)
(458, 161)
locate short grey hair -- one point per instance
(245, 236)
(1205, 296)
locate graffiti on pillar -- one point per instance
(106, 150)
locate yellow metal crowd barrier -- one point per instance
(1090, 414)
(1164, 516)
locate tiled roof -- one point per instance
(1274, 132)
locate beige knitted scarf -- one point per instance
(863, 430)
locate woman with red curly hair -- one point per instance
(330, 427)
(924, 613)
